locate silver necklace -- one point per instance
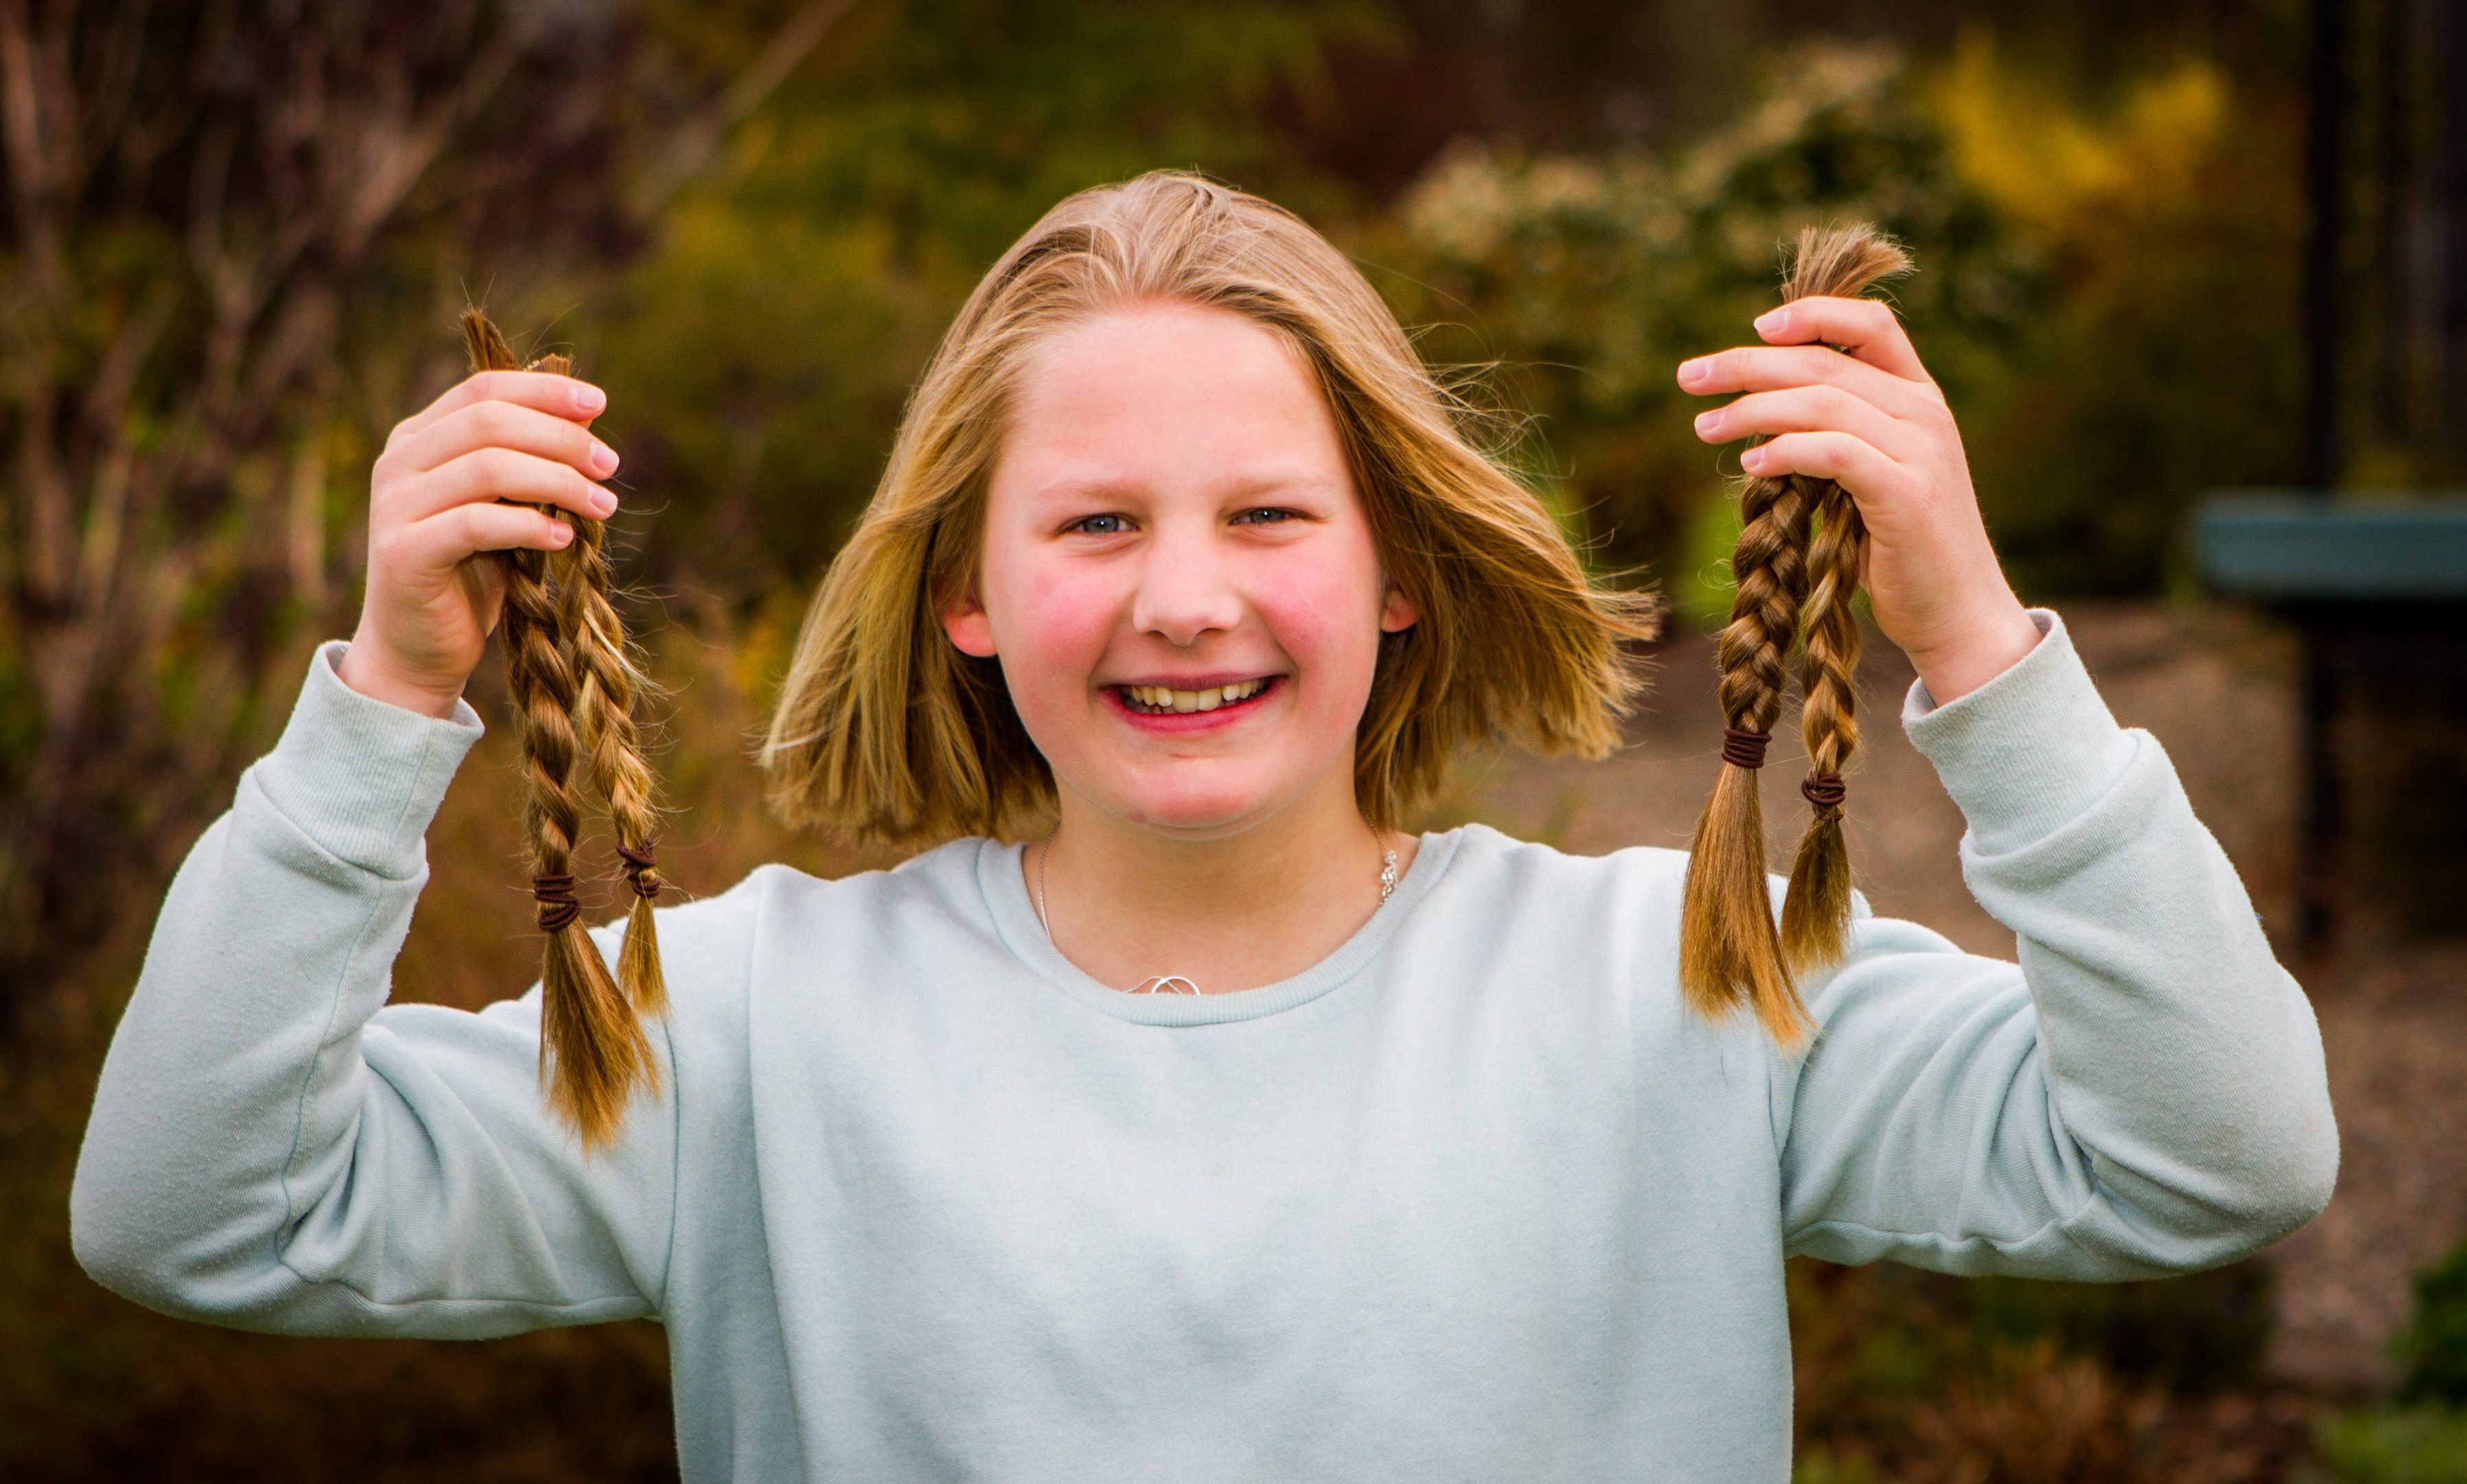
(1177, 984)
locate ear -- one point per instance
(965, 621)
(1396, 611)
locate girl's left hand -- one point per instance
(1868, 416)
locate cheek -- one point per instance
(1324, 610)
(1052, 623)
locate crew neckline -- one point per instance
(1005, 886)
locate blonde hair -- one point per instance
(1797, 564)
(887, 731)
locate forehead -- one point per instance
(1166, 393)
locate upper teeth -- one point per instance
(1163, 699)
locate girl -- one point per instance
(1410, 1162)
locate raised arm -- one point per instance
(271, 1149)
(270, 1146)
(2144, 1093)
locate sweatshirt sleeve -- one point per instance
(273, 1147)
(2144, 1093)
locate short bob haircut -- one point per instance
(888, 732)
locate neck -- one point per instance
(1127, 902)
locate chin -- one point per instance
(1215, 808)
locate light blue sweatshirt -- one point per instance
(1476, 1197)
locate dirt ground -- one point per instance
(2219, 691)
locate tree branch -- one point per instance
(701, 137)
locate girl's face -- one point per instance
(1178, 575)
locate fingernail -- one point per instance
(1753, 460)
(603, 458)
(1691, 372)
(603, 502)
(1705, 420)
(1772, 321)
(561, 535)
(589, 398)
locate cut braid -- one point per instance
(1815, 912)
(1730, 951)
(1842, 262)
(608, 682)
(593, 1049)
(1730, 954)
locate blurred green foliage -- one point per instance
(2434, 1347)
(2424, 1445)
(2162, 358)
(758, 356)
(2421, 1437)
(2103, 292)
(1589, 279)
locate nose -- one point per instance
(1186, 590)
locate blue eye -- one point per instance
(1264, 515)
(1100, 525)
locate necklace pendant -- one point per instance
(1178, 984)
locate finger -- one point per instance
(447, 537)
(1805, 409)
(487, 474)
(1867, 329)
(501, 424)
(562, 396)
(1769, 367)
(1853, 463)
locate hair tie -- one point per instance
(557, 905)
(1825, 791)
(1743, 748)
(642, 872)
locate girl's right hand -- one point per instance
(456, 480)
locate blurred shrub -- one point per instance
(756, 366)
(2103, 292)
(757, 359)
(1910, 1377)
(2423, 1438)
(2434, 1347)
(2162, 360)
(1590, 278)
(2397, 1445)
(2194, 1336)
(2035, 1415)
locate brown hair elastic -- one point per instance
(1825, 791)
(1743, 748)
(558, 903)
(642, 867)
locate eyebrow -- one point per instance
(1253, 487)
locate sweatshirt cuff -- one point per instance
(361, 777)
(2030, 751)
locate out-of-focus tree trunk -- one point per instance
(191, 194)
(218, 219)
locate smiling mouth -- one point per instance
(1157, 700)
